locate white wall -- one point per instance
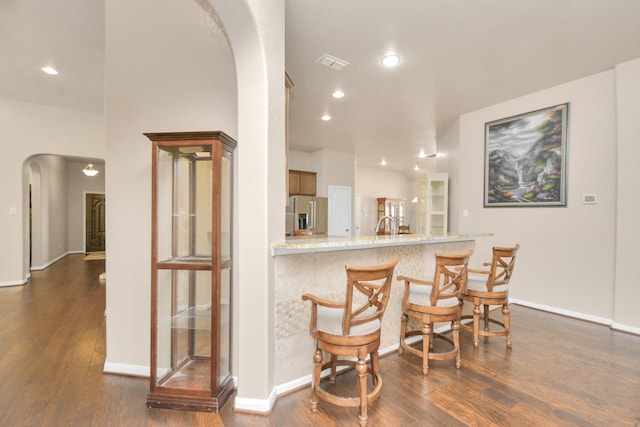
(448, 160)
(627, 291)
(337, 168)
(568, 253)
(302, 161)
(331, 168)
(168, 68)
(29, 129)
(374, 183)
(54, 206)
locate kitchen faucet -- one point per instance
(394, 229)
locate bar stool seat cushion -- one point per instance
(474, 284)
(330, 322)
(421, 295)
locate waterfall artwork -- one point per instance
(525, 159)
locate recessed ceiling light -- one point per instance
(338, 94)
(326, 117)
(383, 162)
(416, 167)
(50, 70)
(391, 60)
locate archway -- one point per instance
(255, 32)
(54, 188)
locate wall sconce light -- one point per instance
(89, 170)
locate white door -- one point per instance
(339, 210)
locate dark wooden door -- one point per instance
(95, 222)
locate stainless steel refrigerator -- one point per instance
(306, 212)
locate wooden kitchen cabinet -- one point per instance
(191, 262)
(302, 183)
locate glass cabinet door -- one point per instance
(224, 322)
(191, 270)
(437, 204)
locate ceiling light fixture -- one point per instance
(383, 162)
(326, 117)
(89, 170)
(391, 60)
(50, 70)
(338, 94)
(416, 167)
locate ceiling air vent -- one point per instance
(332, 62)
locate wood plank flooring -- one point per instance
(560, 372)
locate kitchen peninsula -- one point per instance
(317, 266)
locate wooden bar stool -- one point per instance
(492, 290)
(351, 328)
(435, 301)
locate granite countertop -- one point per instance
(307, 244)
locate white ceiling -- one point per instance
(456, 56)
(66, 33)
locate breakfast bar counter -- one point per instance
(317, 266)
(306, 244)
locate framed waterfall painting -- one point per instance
(526, 159)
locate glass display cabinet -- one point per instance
(437, 204)
(191, 263)
(433, 202)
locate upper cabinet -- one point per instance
(302, 183)
(433, 202)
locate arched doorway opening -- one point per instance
(55, 191)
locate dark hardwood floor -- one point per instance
(561, 371)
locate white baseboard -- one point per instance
(16, 282)
(568, 313)
(48, 264)
(293, 385)
(256, 406)
(37, 268)
(594, 319)
(577, 315)
(624, 328)
(125, 369)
